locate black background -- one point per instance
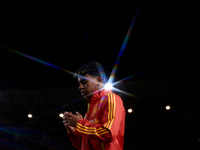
(162, 51)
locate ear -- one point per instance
(100, 79)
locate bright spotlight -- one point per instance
(108, 86)
(130, 110)
(167, 107)
(61, 115)
(30, 115)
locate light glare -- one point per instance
(108, 86)
(130, 110)
(30, 115)
(61, 115)
(167, 107)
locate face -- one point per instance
(87, 85)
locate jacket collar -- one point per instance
(99, 93)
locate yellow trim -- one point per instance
(106, 124)
(102, 145)
(111, 103)
(93, 133)
(89, 128)
(88, 107)
(108, 110)
(109, 115)
(111, 107)
(85, 126)
(92, 129)
(113, 116)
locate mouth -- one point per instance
(83, 93)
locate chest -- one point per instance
(94, 112)
(95, 109)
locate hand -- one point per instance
(70, 129)
(72, 119)
(92, 121)
(67, 126)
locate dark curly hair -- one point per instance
(92, 68)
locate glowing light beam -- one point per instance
(111, 78)
(53, 110)
(72, 73)
(108, 86)
(36, 59)
(160, 63)
(126, 93)
(41, 61)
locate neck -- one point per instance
(98, 89)
(101, 86)
(89, 99)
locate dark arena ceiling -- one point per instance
(161, 58)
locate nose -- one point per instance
(80, 86)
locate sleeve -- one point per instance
(75, 139)
(107, 130)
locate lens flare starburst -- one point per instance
(124, 44)
(110, 83)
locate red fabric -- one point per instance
(103, 127)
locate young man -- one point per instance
(103, 125)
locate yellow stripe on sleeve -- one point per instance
(113, 110)
(91, 130)
(111, 107)
(109, 111)
(92, 133)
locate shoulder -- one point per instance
(114, 101)
(113, 96)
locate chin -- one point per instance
(85, 97)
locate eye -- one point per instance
(84, 82)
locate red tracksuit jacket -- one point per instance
(103, 126)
